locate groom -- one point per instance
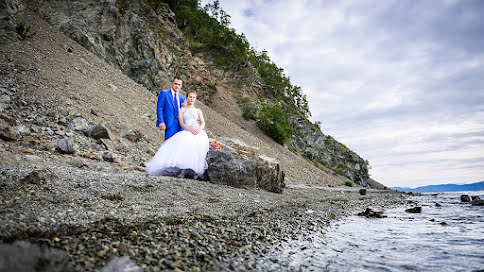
(169, 103)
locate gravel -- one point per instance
(97, 210)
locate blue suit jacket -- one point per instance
(167, 113)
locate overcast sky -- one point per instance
(400, 82)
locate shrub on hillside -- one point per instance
(349, 184)
(273, 121)
(249, 112)
(23, 30)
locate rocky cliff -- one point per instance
(146, 45)
(327, 153)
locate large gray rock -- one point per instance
(66, 146)
(79, 124)
(5, 131)
(465, 198)
(95, 131)
(24, 256)
(240, 165)
(98, 132)
(477, 202)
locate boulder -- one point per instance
(414, 210)
(66, 146)
(465, 198)
(109, 156)
(98, 132)
(79, 124)
(25, 256)
(239, 165)
(369, 213)
(363, 191)
(5, 133)
(477, 202)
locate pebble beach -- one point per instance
(95, 212)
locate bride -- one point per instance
(187, 149)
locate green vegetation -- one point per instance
(23, 30)
(122, 6)
(249, 112)
(163, 34)
(273, 121)
(317, 127)
(208, 29)
(349, 184)
(278, 84)
(83, 44)
(331, 141)
(250, 108)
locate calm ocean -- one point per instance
(447, 236)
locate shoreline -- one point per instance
(96, 210)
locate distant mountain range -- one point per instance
(478, 186)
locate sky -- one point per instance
(400, 82)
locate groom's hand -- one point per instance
(162, 126)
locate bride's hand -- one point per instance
(195, 131)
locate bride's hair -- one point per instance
(193, 92)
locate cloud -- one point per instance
(399, 82)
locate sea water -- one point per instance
(448, 235)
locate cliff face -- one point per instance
(147, 46)
(143, 43)
(327, 153)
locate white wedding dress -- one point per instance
(184, 150)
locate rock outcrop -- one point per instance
(327, 153)
(239, 165)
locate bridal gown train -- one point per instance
(184, 150)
